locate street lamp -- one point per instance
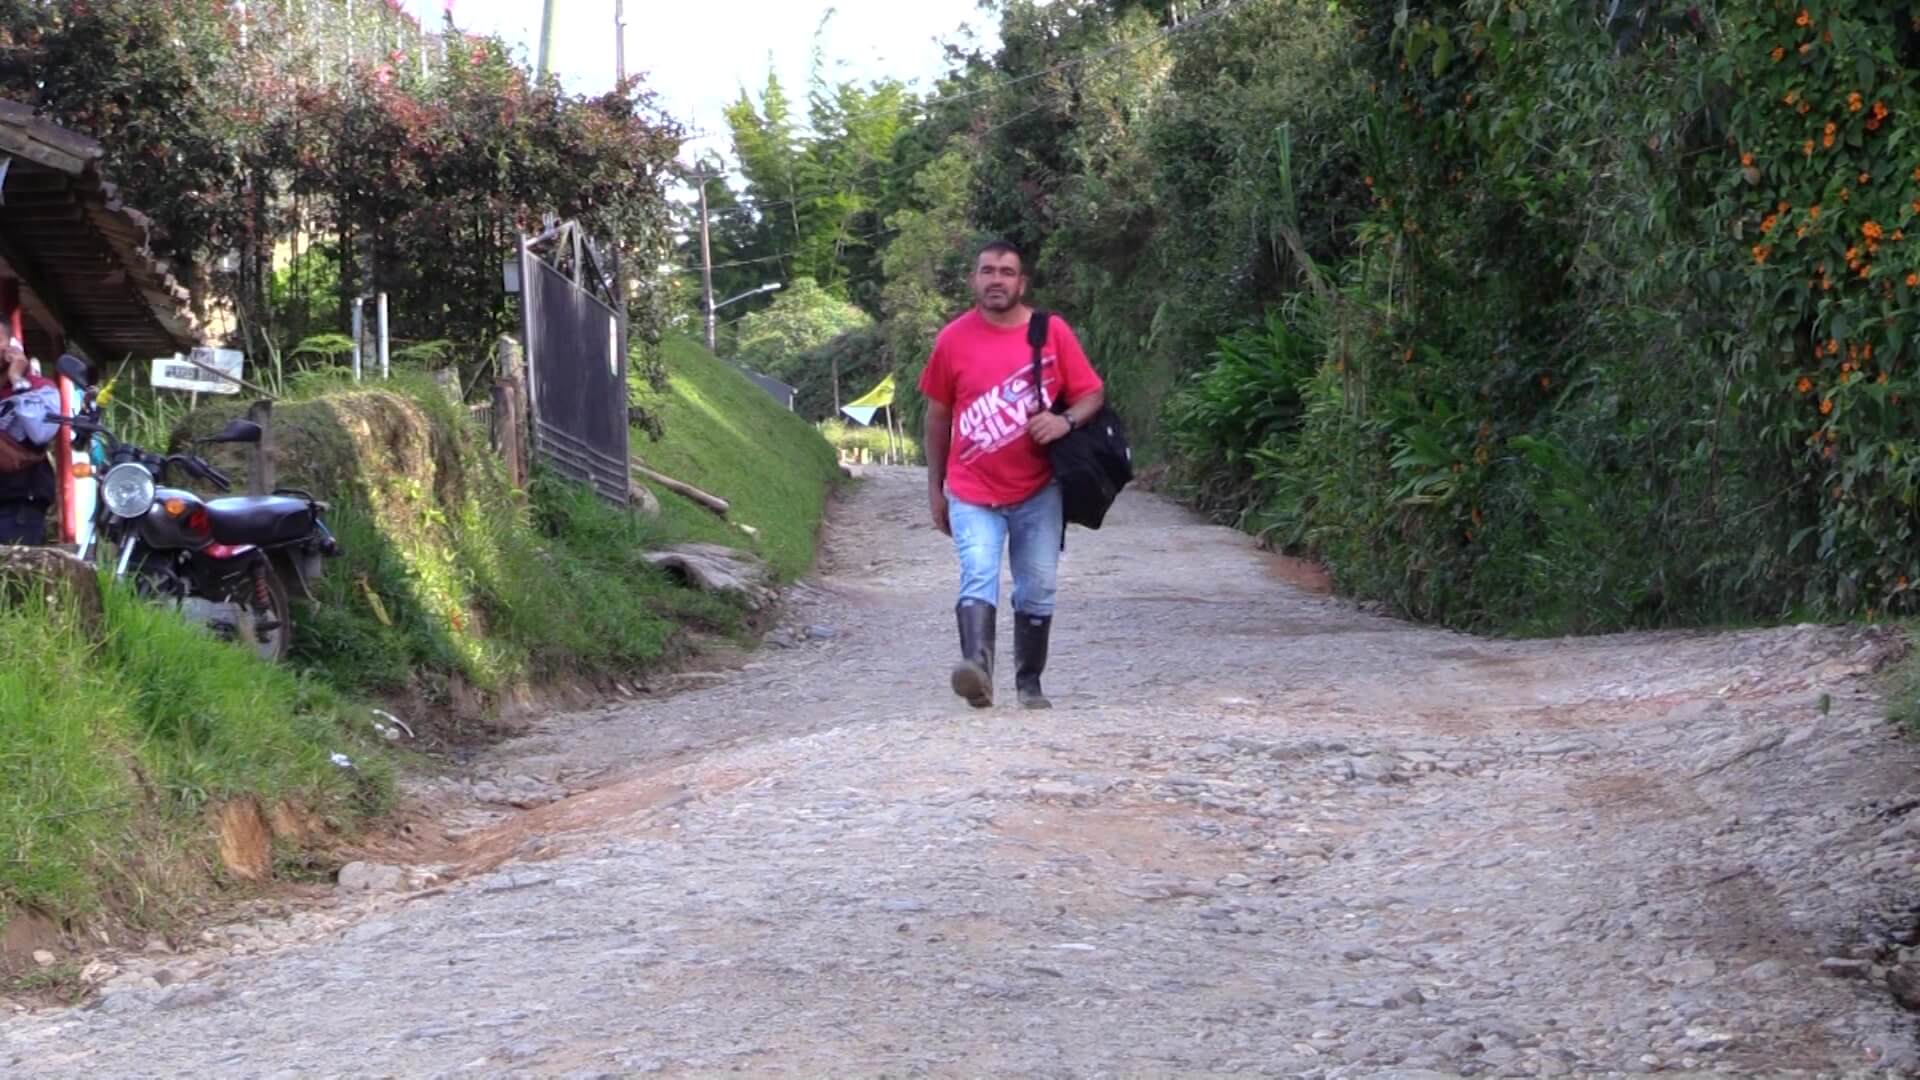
(769, 287)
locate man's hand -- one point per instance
(937, 502)
(1048, 427)
(16, 363)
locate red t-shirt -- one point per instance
(984, 373)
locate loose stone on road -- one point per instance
(1261, 833)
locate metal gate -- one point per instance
(576, 360)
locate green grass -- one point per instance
(872, 440)
(447, 574)
(728, 437)
(110, 751)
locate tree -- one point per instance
(802, 316)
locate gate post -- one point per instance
(260, 476)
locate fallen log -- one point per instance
(712, 502)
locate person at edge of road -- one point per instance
(26, 402)
(990, 484)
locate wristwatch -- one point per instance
(22, 384)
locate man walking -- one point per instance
(989, 482)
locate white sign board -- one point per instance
(173, 373)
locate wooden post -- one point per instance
(506, 432)
(260, 476)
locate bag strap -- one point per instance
(1037, 338)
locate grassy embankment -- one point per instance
(113, 748)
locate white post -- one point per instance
(383, 335)
(359, 333)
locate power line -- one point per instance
(771, 258)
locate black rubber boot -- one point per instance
(973, 675)
(1030, 634)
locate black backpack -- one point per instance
(1092, 463)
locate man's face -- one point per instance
(998, 282)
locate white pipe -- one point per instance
(383, 335)
(359, 332)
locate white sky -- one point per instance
(697, 54)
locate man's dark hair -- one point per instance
(998, 247)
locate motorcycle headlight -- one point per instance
(128, 490)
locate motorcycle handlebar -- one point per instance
(196, 467)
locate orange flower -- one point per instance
(1871, 230)
(1833, 347)
(1913, 280)
(1803, 19)
(1880, 110)
(1804, 107)
(1807, 149)
(1882, 380)
(1369, 180)
(1866, 271)
(1826, 36)
(1873, 124)
(1854, 102)
(1781, 207)
(1866, 351)
(1853, 255)
(1826, 406)
(1864, 177)
(1760, 253)
(1806, 47)
(1747, 160)
(1805, 385)
(1767, 223)
(1779, 53)
(1826, 137)
(1814, 210)
(1846, 377)
(1792, 96)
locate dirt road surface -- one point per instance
(1263, 833)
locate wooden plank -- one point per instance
(14, 142)
(23, 119)
(712, 502)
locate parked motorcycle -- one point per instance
(225, 563)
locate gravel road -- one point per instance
(1262, 833)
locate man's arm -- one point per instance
(1050, 427)
(938, 436)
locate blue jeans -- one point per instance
(1032, 531)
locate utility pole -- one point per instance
(546, 38)
(706, 258)
(619, 40)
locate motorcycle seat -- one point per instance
(260, 520)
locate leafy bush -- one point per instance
(1239, 412)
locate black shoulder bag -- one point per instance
(1092, 462)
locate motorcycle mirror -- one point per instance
(74, 368)
(237, 431)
